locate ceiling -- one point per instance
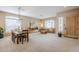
(36, 11)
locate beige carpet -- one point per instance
(40, 43)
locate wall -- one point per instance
(42, 21)
(2, 21)
(69, 13)
(25, 20)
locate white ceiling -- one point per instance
(36, 11)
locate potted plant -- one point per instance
(1, 32)
(60, 34)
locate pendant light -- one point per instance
(19, 12)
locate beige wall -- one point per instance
(2, 21)
(66, 13)
(52, 18)
(25, 20)
(42, 21)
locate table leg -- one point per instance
(17, 40)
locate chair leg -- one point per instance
(13, 39)
(22, 40)
(17, 40)
(25, 38)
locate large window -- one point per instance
(12, 23)
(49, 24)
(60, 25)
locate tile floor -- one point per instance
(41, 43)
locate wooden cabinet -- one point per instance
(71, 23)
(72, 26)
(77, 27)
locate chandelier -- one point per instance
(19, 12)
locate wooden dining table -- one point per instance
(21, 37)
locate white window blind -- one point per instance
(12, 23)
(61, 28)
(49, 24)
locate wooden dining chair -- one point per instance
(13, 37)
(20, 37)
(25, 35)
(16, 38)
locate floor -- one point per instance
(41, 43)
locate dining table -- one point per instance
(20, 36)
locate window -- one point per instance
(60, 25)
(12, 23)
(49, 24)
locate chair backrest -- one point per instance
(13, 36)
(25, 31)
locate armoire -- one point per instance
(71, 23)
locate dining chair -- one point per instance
(25, 35)
(16, 38)
(13, 37)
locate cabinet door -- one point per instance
(70, 26)
(67, 25)
(77, 27)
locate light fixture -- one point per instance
(19, 17)
(41, 16)
(19, 12)
(65, 6)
